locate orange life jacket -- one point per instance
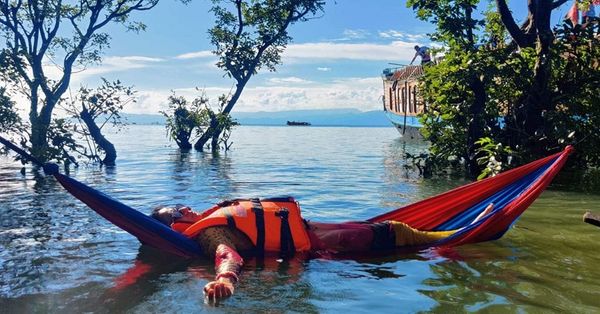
(273, 225)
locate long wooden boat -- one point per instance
(401, 101)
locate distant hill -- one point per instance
(328, 117)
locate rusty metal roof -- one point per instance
(410, 72)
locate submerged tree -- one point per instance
(94, 109)
(249, 36)
(183, 118)
(186, 120)
(37, 33)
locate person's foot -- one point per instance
(486, 211)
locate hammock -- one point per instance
(511, 192)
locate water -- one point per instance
(59, 256)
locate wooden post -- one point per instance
(415, 99)
(591, 218)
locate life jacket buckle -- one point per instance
(283, 213)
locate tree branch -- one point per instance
(509, 22)
(558, 3)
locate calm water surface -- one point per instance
(56, 255)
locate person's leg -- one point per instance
(408, 236)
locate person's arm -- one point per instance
(218, 242)
(228, 264)
(413, 59)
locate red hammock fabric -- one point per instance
(431, 213)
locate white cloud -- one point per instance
(397, 50)
(323, 69)
(195, 55)
(289, 80)
(350, 34)
(402, 35)
(361, 93)
(109, 65)
(151, 101)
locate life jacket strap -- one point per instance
(285, 233)
(230, 221)
(259, 212)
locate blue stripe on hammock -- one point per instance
(500, 199)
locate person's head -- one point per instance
(167, 215)
(417, 47)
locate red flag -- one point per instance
(573, 13)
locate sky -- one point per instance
(333, 61)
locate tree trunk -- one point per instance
(110, 153)
(475, 131)
(182, 140)
(214, 129)
(526, 124)
(39, 144)
(40, 123)
(538, 99)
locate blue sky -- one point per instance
(334, 61)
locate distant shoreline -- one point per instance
(325, 118)
(284, 125)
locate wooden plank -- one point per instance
(592, 218)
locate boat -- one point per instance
(511, 192)
(401, 102)
(298, 123)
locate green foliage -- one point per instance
(508, 77)
(9, 118)
(183, 117)
(492, 156)
(458, 89)
(10, 121)
(575, 80)
(453, 19)
(66, 32)
(250, 35)
(62, 145)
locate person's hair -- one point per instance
(417, 47)
(155, 213)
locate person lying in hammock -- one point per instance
(251, 226)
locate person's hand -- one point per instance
(218, 289)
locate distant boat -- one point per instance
(298, 123)
(401, 101)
